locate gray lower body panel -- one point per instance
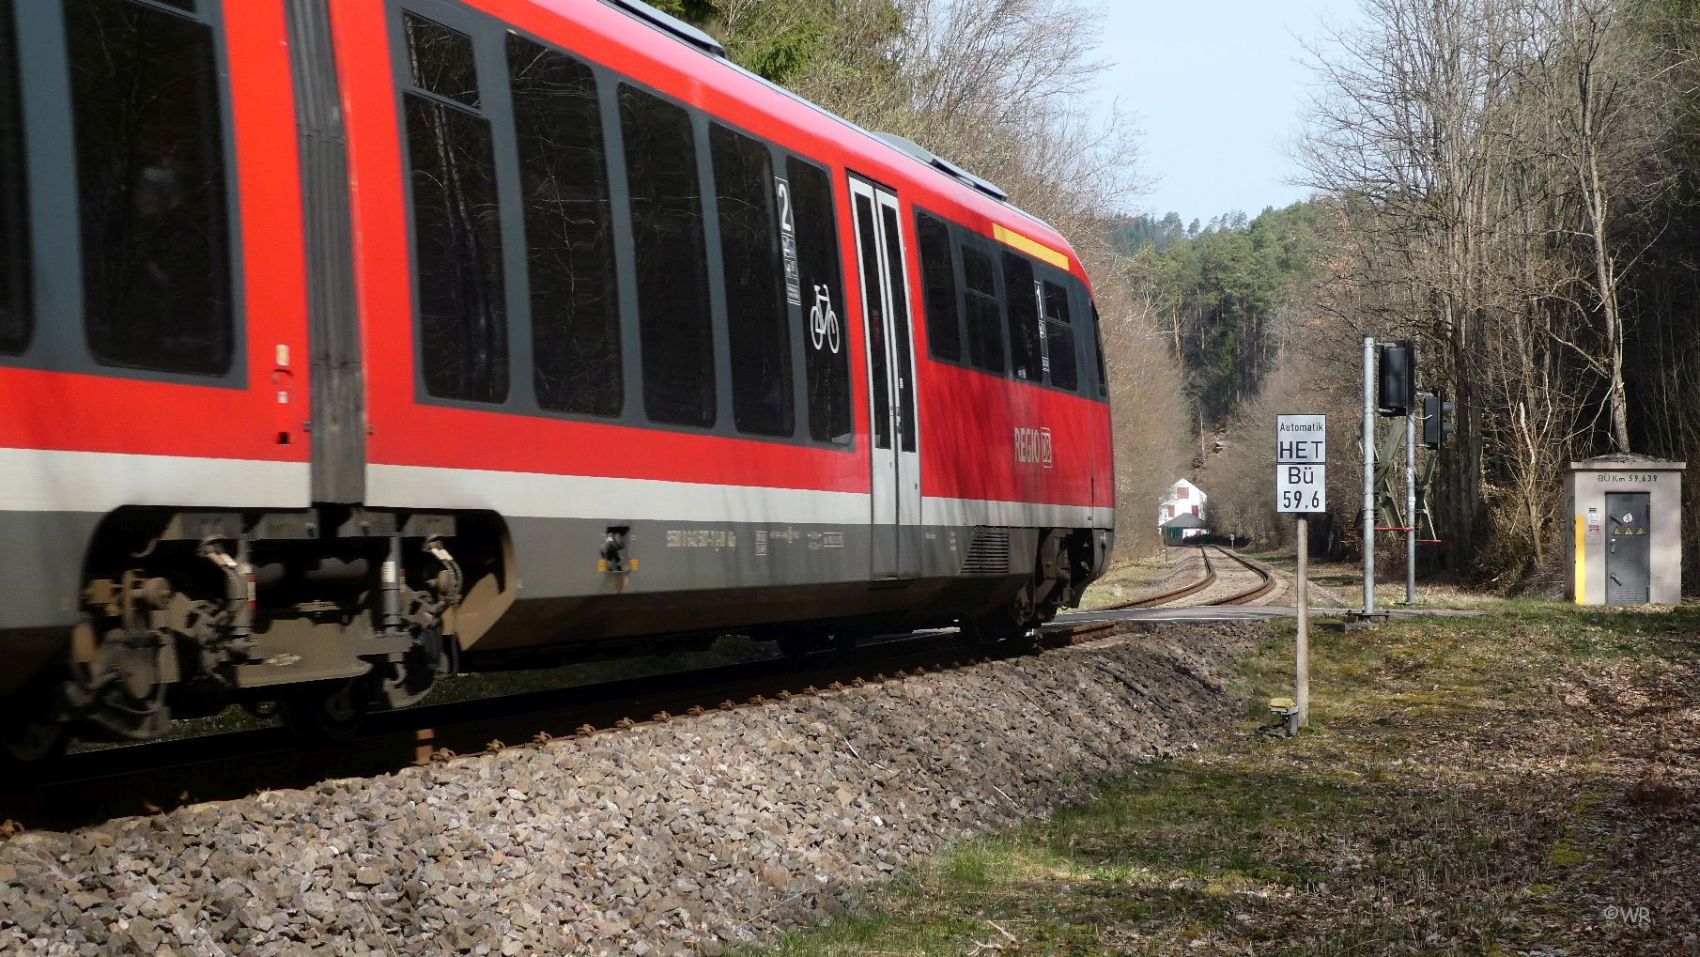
(41, 570)
(41, 574)
(683, 577)
(704, 576)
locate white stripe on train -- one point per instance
(42, 480)
(537, 495)
(48, 480)
(531, 495)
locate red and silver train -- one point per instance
(344, 343)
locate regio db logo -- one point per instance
(1033, 447)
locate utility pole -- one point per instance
(1411, 498)
(1369, 477)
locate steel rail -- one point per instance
(1266, 584)
(1175, 594)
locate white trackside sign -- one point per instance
(1301, 463)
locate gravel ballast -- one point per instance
(679, 837)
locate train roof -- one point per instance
(668, 23)
(700, 40)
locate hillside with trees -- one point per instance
(1222, 291)
(1512, 184)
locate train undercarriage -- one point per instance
(328, 614)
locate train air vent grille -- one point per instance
(988, 555)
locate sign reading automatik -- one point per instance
(1301, 463)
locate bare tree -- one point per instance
(1405, 129)
(1602, 85)
(1495, 159)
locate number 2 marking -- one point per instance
(787, 222)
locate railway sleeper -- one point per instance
(185, 613)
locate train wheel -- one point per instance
(405, 683)
(796, 645)
(847, 638)
(1004, 630)
(29, 736)
(326, 712)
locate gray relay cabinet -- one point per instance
(1626, 541)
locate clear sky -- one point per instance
(1218, 86)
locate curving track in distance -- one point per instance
(1175, 594)
(1267, 583)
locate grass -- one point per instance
(1345, 579)
(1489, 785)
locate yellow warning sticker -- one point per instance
(1031, 247)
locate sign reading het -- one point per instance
(1301, 463)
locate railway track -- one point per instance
(90, 787)
(1267, 584)
(1176, 594)
(94, 786)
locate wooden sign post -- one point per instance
(1301, 488)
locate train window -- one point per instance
(463, 320)
(985, 318)
(938, 275)
(826, 362)
(149, 130)
(867, 238)
(575, 306)
(900, 313)
(1023, 305)
(758, 322)
(1059, 339)
(15, 315)
(674, 324)
(440, 60)
(1096, 343)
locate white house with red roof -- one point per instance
(1184, 498)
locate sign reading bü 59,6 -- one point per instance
(1301, 463)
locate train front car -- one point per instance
(364, 341)
(663, 332)
(1017, 465)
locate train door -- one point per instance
(891, 370)
(1629, 551)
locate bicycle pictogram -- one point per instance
(823, 321)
